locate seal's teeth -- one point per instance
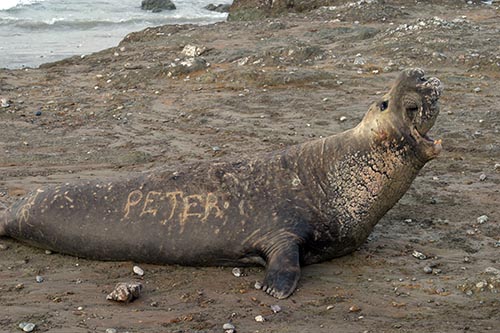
(438, 142)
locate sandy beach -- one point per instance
(254, 87)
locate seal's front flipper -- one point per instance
(283, 271)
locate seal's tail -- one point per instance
(3, 218)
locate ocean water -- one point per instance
(33, 32)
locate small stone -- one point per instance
(482, 177)
(482, 219)
(48, 252)
(39, 279)
(237, 272)
(27, 327)
(481, 285)
(477, 89)
(492, 270)
(329, 307)
(19, 286)
(192, 50)
(258, 285)
(3, 247)
(359, 61)
(260, 319)
(228, 327)
(276, 308)
(137, 270)
(427, 270)
(110, 330)
(216, 149)
(125, 292)
(354, 308)
(419, 255)
(342, 119)
(4, 103)
(440, 290)
(38, 113)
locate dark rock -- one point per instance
(248, 10)
(157, 5)
(218, 8)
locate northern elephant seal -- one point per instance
(302, 205)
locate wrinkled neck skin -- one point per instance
(357, 176)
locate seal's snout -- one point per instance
(417, 73)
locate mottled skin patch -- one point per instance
(305, 204)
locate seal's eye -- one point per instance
(384, 105)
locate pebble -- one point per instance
(192, 50)
(3, 247)
(359, 61)
(329, 307)
(440, 290)
(419, 255)
(229, 328)
(39, 279)
(482, 219)
(481, 284)
(5, 103)
(237, 272)
(137, 270)
(48, 252)
(276, 308)
(497, 166)
(477, 89)
(427, 270)
(260, 319)
(258, 285)
(27, 327)
(492, 270)
(38, 113)
(482, 177)
(354, 308)
(125, 292)
(342, 119)
(110, 330)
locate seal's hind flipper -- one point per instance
(3, 220)
(283, 271)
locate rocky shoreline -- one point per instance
(172, 95)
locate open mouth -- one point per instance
(432, 89)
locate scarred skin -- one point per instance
(308, 203)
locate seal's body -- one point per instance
(302, 205)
